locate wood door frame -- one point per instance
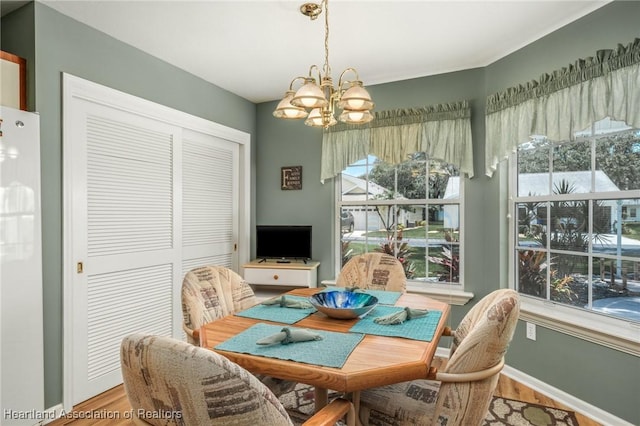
(21, 77)
(75, 88)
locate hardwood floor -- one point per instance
(112, 408)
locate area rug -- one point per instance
(299, 404)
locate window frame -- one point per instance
(453, 293)
(615, 333)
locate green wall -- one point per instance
(603, 377)
(60, 44)
(54, 43)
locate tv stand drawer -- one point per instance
(282, 274)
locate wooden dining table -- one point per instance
(375, 361)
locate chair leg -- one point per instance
(352, 417)
(355, 399)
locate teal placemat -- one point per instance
(384, 297)
(332, 351)
(421, 328)
(276, 313)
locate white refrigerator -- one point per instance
(21, 326)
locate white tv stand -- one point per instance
(275, 272)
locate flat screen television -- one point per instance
(283, 242)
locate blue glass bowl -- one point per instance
(343, 304)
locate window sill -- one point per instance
(452, 296)
(447, 295)
(613, 333)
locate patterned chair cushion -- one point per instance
(211, 292)
(480, 342)
(377, 271)
(169, 382)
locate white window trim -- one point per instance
(452, 296)
(601, 329)
(597, 328)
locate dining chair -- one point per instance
(212, 292)
(461, 393)
(375, 271)
(172, 382)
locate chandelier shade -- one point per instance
(317, 98)
(356, 98)
(319, 117)
(287, 110)
(355, 117)
(310, 95)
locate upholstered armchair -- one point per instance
(209, 293)
(461, 393)
(171, 382)
(212, 292)
(376, 271)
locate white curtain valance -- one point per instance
(442, 131)
(565, 102)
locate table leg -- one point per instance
(321, 398)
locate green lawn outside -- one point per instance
(436, 231)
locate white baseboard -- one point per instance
(53, 413)
(556, 394)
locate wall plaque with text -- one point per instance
(291, 177)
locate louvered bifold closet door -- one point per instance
(209, 201)
(130, 240)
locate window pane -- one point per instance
(532, 219)
(569, 225)
(533, 167)
(619, 224)
(618, 159)
(347, 228)
(616, 288)
(444, 262)
(444, 180)
(532, 272)
(568, 272)
(353, 182)
(412, 177)
(383, 180)
(412, 241)
(570, 280)
(572, 167)
(360, 168)
(443, 243)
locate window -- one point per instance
(576, 237)
(411, 210)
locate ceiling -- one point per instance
(255, 48)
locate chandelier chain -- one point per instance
(327, 68)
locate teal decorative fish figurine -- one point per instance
(288, 335)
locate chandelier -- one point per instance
(319, 102)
